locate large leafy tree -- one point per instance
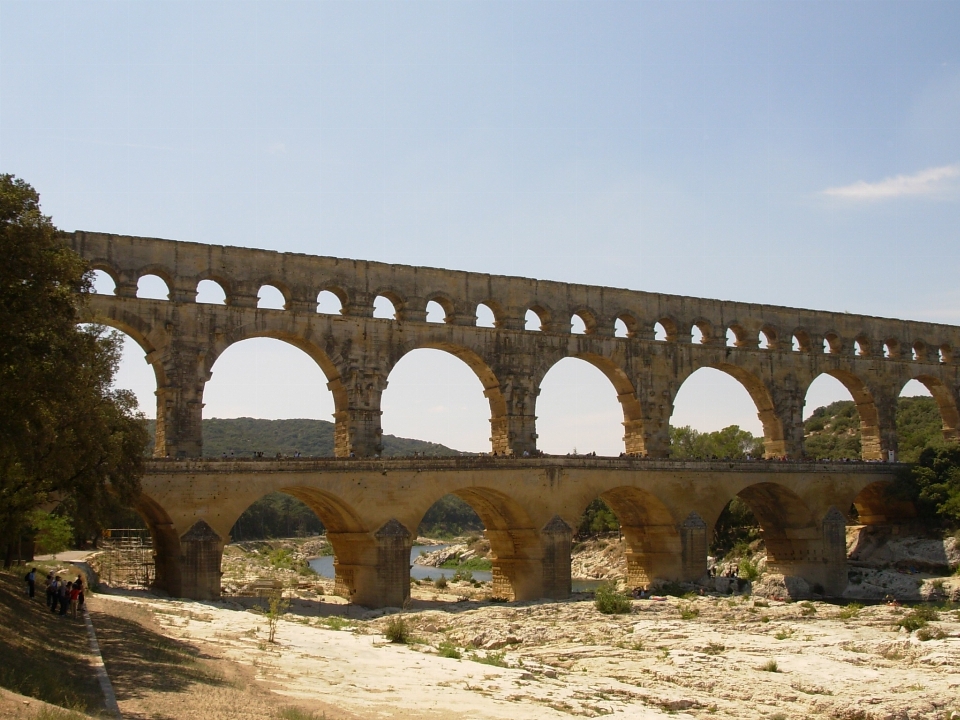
(67, 439)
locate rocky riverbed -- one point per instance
(700, 657)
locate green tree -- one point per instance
(731, 443)
(933, 485)
(66, 435)
(597, 518)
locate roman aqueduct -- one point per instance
(372, 506)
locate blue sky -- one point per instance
(793, 153)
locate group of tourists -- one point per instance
(62, 596)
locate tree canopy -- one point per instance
(68, 439)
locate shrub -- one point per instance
(398, 630)
(278, 608)
(850, 611)
(930, 633)
(714, 649)
(440, 583)
(918, 618)
(497, 659)
(448, 650)
(688, 612)
(808, 609)
(610, 601)
(748, 570)
(770, 666)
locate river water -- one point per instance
(323, 566)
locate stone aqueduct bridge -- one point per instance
(667, 508)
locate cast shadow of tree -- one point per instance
(141, 661)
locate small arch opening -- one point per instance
(919, 351)
(626, 325)
(801, 341)
(733, 340)
(435, 312)
(831, 344)
(210, 292)
(270, 298)
(533, 321)
(945, 353)
(696, 335)
(577, 326)
(152, 287)
(767, 339)
(620, 329)
(485, 316)
(103, 283)
(861, 347)
(328, 303)
(384, 308)
(891, 349)
(665, 330)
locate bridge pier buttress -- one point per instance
(815, 554)
(357, 429)
(179, 432)
(201, 555)
(513, 421)
(557, 539)
(373, 570)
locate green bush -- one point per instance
(440, 583)
(918, 618)
(851, 610)
(748, 570)
(398, 630)
(610, 601)
(688, 612)
(448, 650)
(770, 666)
(497, 659)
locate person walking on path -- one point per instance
(31, 579)
(74, 599)
(65, 598)
(78, 584)
(55, 594)
(50, 589)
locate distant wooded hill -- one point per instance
(244, 436)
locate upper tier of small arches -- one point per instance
(353, 288)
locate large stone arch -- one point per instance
(774, 439)
(492, 389)
(652, 534)
(624, 387)
(322, 357)
(514, 541)
(134, 327)
(876, 506)
(166, 545)
(947, 403)
(787, 524)
(873, 425)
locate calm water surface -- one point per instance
(323, 566)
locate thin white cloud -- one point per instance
(926, 182)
